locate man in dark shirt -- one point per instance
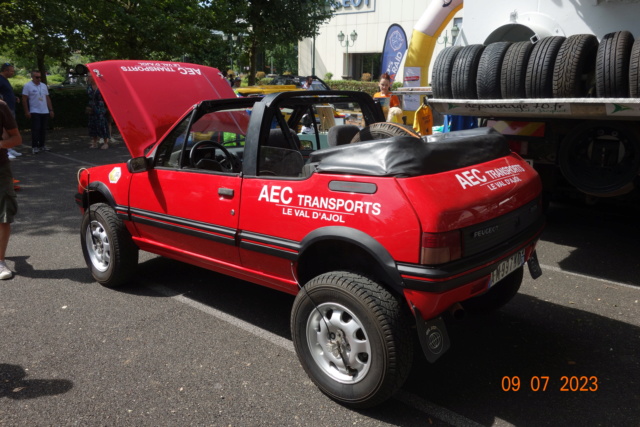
(7, 95)
(6, 91)
(8, 205)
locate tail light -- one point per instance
(439, 248)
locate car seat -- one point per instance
(280, 156)
(341, 134)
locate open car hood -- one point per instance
(146, 98)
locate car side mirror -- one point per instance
(139, 164)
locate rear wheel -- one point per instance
(352, 338)
(107, 246)
(498, 296)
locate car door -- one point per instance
(182, 207)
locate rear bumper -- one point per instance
(435, 290)
(440, 279)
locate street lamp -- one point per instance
(341, 38)
(234, 38)
(454, 33)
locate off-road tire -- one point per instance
(575, 68)
(490, 70)
(377, 328)
(442, 69)
(612, 65)
(497, 296)
(383, 130)
(514, 70)
(465, 72)
(107, 246)
(539, 80)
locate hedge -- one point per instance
(369, 87)
(68, 104)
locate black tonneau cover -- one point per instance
(409, 156)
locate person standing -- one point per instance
(7, 94)
(386, 99)
(98, 116)
(37, 107)
(8, 205)
(385, 91)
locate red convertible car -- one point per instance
(380, 233)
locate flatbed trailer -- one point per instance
(580, 146)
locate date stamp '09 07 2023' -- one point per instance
(542, 383)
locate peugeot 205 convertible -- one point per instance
(378, 232)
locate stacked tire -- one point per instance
(555, 67)
(598, 157)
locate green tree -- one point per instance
(269, 23)
(142, 29)
(282, 58)
(35, 31)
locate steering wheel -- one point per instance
(229, 163)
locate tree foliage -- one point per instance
(141, 29)
(269, 23)
(35, 30)
(155, 29)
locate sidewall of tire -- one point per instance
(383, 377)
(124, 253)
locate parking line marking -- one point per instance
(248, 327)
(72, 158)
(584, 276)
(414, 401)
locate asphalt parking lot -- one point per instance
(186, 346)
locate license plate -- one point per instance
(506, 267)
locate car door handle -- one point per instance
(225, 192)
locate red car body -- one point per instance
(430, 235)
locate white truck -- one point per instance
(560, 79)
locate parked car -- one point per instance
(282, 83)
(71, 82)
(76, 79)
(379, 235)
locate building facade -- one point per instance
(370, 20)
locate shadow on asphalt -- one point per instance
(25, 269)
(14, 385)
(605, 240)
(528, 338)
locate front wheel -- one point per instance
(107, 246)
(352, 338)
